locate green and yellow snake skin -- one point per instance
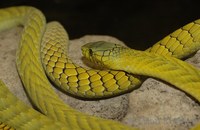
(81, 82)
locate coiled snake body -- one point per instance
(85, 83)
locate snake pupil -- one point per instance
(90, 51)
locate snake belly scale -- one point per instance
(85, 83)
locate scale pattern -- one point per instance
(3, 126)
(73, 78)
(181, 43)
(15, 113)
(35, 81)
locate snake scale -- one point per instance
(81, 82)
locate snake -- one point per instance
(42, 54)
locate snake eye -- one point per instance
(90, 51)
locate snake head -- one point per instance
(99, 52)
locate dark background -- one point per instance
(138, 23)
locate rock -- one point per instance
(155, 105)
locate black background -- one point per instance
(138, 23)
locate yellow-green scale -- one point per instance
(76, 80)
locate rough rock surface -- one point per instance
(155, 105)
